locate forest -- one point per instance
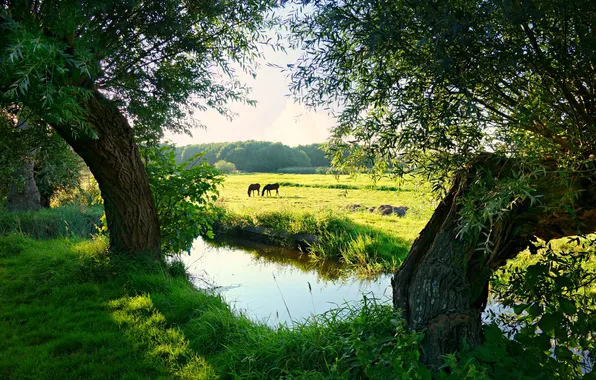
(258, 156)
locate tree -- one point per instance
(183, 194)
(18, 149)
(432, 87)
(225, 167)
(35, 161)
(88, 69)
(316, 154)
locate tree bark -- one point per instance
(23, 194)
(115, 162)
(442, 286)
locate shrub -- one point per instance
(226, 167)
(183, 197)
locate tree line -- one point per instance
(257, 156)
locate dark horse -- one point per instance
(268, 188)
(254, 187)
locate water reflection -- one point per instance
(277, 285)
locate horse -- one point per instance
(254, 187)
(269, 187)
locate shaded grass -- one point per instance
(62, 221)
(69, 310)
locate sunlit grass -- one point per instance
(317, 204)
(70, 309)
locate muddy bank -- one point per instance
(301, 242)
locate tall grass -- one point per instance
(364, 249)
(81, 221)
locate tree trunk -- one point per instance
(114, 160)
(23, 194)
(442, 286)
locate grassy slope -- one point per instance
(313, 203)
(68, 310)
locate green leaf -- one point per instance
(548, 322)
(518, 309)
(567, 306)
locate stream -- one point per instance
(275, 285)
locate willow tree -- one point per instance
(91, 68)
(500, 96)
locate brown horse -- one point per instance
(254, 187)
(269, 187)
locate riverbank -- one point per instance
(335, 210)
(69, 309)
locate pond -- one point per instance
(276, 285)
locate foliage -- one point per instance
(224, 167)
(160, 61)
(554, 304)
(316, 154)
(434, 84)
(182, 197)
(255, 156)
(57, 169)
(86, 194)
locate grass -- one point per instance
(319, 204)
(70, 310)
(62, 221)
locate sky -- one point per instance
(276, 117)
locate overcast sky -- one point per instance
(276, 117)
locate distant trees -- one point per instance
(316, 154)
(257, 156)
(223, 166)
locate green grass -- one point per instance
(70, 310)
(64, 221)
(319, 204)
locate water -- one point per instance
(272, 285)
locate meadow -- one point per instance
(321, 204)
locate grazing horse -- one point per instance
(254, 187)
(269, 187)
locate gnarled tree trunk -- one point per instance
(442, 286)
(114, 160)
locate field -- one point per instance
(321, 204)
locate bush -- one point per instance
(226, 167)
(86, 194)
(183, 197)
